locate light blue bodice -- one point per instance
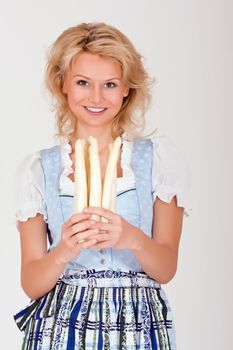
(135, 205)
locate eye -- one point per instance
(82, 82)
(110, 84)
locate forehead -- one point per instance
(95, 66)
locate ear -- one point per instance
(126, 91)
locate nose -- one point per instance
(96, 95)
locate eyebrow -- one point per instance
(83, 76)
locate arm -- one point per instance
(40, 270)
(158, 255)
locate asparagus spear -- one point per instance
(88, 185)
(95, 193)
(110, 175)
(80, 189)
(114, 185)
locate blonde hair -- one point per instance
(106, 41)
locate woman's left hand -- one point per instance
(116, 233)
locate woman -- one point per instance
(98, 284)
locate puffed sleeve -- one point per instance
(29, 188)
(171, 174)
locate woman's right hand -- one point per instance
(76, 235)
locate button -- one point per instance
(103, 261)
(102, 251)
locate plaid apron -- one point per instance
(100, 310)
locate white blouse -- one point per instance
(170, 177)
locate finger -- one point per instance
(101, 237)
(76, 218)
(108, 214)
(84, 235)
(87, 244)
(74, 229)
(82, 226)
(105, 226)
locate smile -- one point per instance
(95, 109)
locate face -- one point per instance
(95, 89)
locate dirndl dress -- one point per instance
(103, 300)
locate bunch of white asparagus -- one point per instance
(87, 176)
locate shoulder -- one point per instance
(33, 160)
(29, 170)
(161, 145)
(28, 162)
(167, 154)
(29, 187)
(171, 175)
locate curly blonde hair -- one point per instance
(106, 41)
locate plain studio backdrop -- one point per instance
(187, 45)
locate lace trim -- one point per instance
(166, 193)
(28, 212)
(66, 164)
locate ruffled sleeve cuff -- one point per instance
(29, 189)
(171, 174)
(30, 211)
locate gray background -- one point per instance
(188, 46)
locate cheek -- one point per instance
(117, 99)
(71, 99)
(75, 96)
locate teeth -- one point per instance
(95, 110)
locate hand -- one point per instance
(116, 233)
(77, 233)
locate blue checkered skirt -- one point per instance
(95, 310)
